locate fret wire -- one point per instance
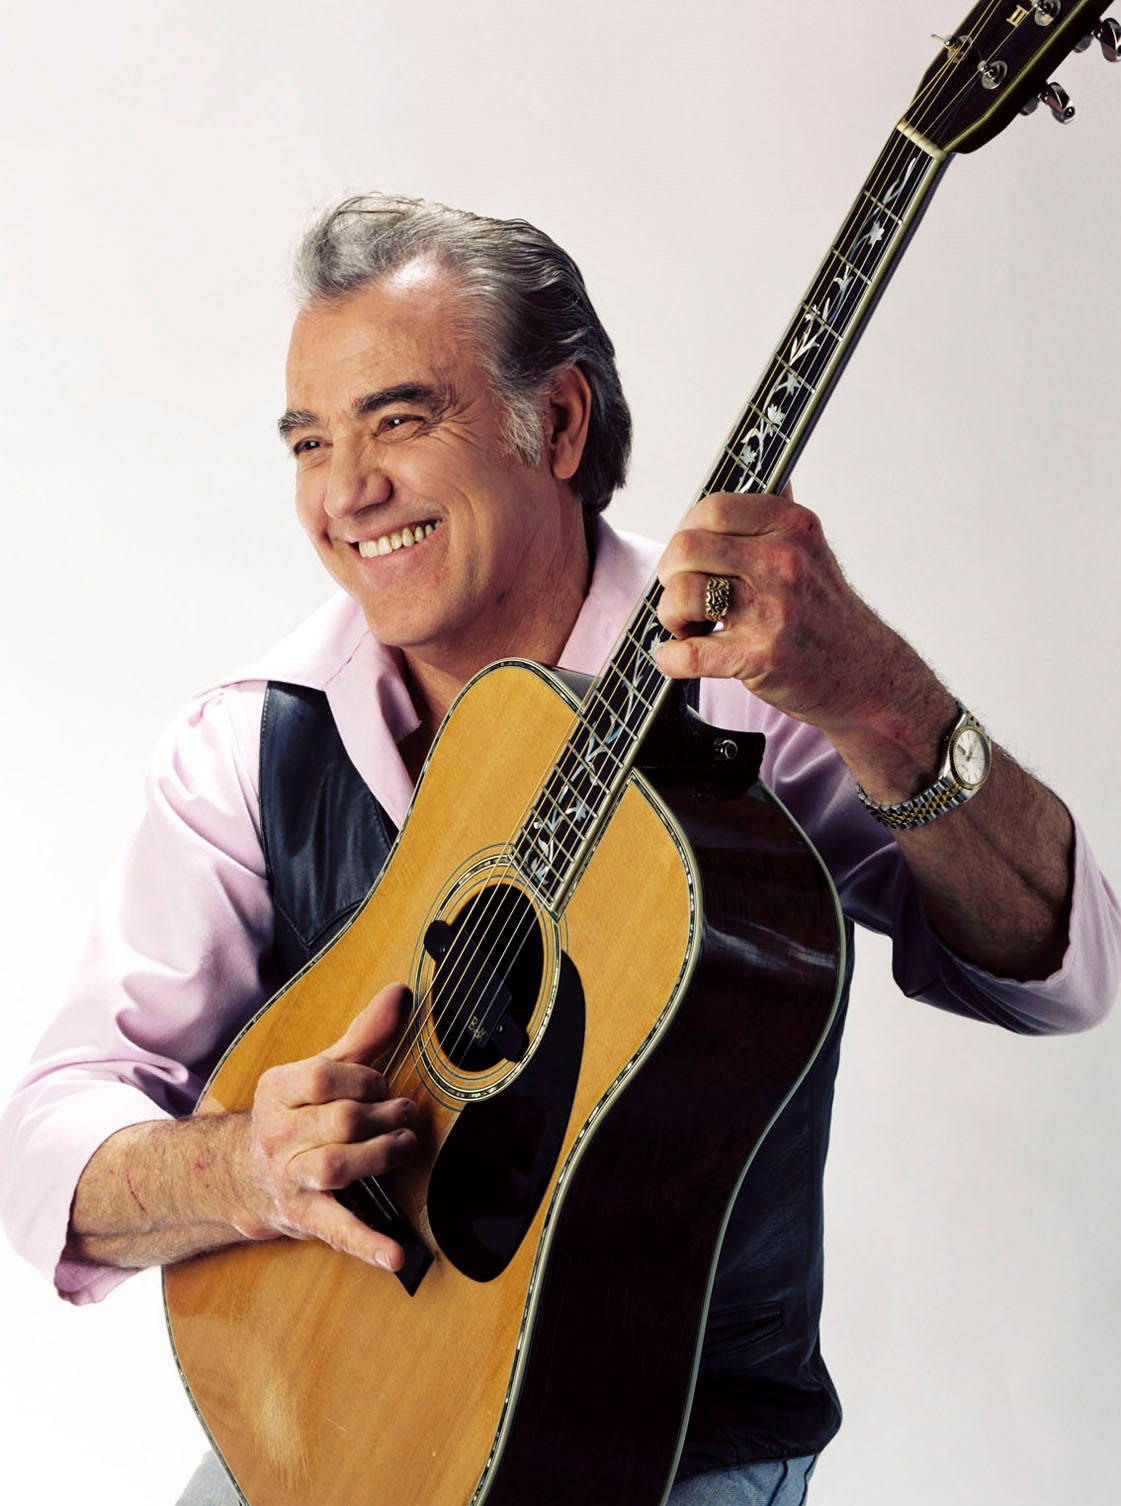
(616, 717)
(621, 715)
(879, 203)
(830, 311)
(739, 463)
(639, 699)
(762, 418)
(546, 856)
(543, 857)
(795, 374)
(576, 827)
(815, 317)
(852, 268)
(571, 752)
(600, 783)
(563, 790)
(750, 481)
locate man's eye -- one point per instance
(302, 446)
(400, 423)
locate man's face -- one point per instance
(395, 433)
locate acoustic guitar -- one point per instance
(623, 955)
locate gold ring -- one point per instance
(718, 598)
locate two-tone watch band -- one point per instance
(948, 791)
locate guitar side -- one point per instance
(319, 1378)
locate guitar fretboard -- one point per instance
(758, 456)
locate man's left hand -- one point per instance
(796, 634)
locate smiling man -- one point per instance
(457, 428)
(396, 430)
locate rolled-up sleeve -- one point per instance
(172, 969)
(876, 890)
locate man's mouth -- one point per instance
(388, 542)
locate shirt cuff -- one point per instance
(58, 1137)
(1080, 992)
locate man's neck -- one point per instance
(435, 679)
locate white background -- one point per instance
(697, 161)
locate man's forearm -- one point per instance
(158, 1192)
(995, 875)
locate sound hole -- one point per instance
(489, 966)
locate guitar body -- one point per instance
(572, 1200)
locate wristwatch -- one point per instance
(966, 761)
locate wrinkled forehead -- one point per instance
(412, 319)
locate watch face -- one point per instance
(969, 757)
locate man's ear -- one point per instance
(567, 414)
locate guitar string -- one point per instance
(514, 869)
(612, 668)
(914, 114)
(544, 800)
(556, 842)
(894, 155)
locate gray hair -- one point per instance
(529, 311)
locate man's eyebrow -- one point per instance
(436, 398)
(295, 418)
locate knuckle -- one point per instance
(787, 564)
(270, 1084)
(722, 510)
(327, 1169)
(668, 562)
(805, 523)
(317, 1079)
(377, 1089)
(385, 1152)
(690, 652)
(348, 1121)
(379, 1157)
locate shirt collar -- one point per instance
(334, 651)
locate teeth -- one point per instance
(388, 542)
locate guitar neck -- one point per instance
(757, 456)
(778, 418)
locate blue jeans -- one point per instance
(780, 1483)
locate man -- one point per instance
(457, 427)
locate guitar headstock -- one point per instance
(999, 63)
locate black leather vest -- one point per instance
(763, 1391)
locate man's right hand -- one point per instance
(163, 1190)
(317, 1126)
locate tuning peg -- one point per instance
(1108, 33)
(1057, 100)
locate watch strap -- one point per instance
(945, 794)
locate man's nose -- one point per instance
(355, 482)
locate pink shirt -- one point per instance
(171, 971)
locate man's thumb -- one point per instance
(371, 1030)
